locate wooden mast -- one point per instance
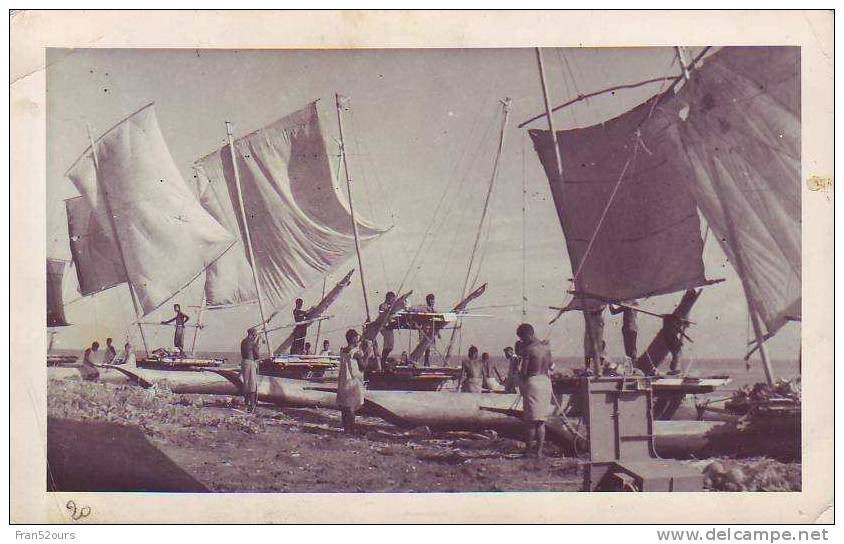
(506, 103)
(548, 112)
(248, 237)
(319, 323)
(101, 186)
(351, 205)
(198, 325)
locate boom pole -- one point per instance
(248, 237)
(101, 186)
(351, 205)
(548, 112)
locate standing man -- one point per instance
(536, 387)
(326, 348)
(110, 353)
(350, 379)
(387, 332)
(471, 373)
(487, 370)
(629, 328)
(180, 319)
(249, 368)
(428, 331)
(593, 338)
(512, 380)
(299, 331)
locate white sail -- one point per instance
(301, 228)
(92, 245)
(738, 123)
(166, 238)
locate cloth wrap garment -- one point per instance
(536, 392)
(350, 379)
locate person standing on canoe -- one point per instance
(249, 368)
(299, 331)
(472, 373)
(350, 379)
(386, 331)
(428, 332)
(326, 348)
(179, 319)
(629, 328)
(593, 338)
(536, 387)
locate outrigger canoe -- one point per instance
(216, 381)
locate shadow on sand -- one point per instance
(100, 456)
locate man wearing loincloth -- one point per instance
(249, 368)
(471, 373)
(386, 331)
(350, 379)
(536, 387)
(179, 320)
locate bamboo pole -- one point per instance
(198, 325)
(248, 237)
(319, 323)
(548, 112)
(351, 205)
(101, 186)
(506, 103)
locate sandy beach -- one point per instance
(103, 437)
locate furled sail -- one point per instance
(55, 302)
(165, 236)
(301, 228)
(737, 127)
(649, 240)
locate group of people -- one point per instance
(93, 358)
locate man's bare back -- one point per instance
(536, 358)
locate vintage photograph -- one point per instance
(423, 270)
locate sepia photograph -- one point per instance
(422, 270)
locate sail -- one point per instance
(649, 240)
(166, 238)
(55, 302)
(300, 227)
(737, 127)
(92, 247)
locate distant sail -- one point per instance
(55, 302)
(300, 226)
(93, 248)
(738, 123)
(649, 242)
(167, 238)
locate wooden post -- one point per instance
(198, 324)
(682, 60)
(548, 112)
(319, 323)
(351, 205)
(248, 237)
(101, 187)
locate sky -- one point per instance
(421, 133)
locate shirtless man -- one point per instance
(472, 373)
(180, 319)
(536, 387)
(386, 332)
